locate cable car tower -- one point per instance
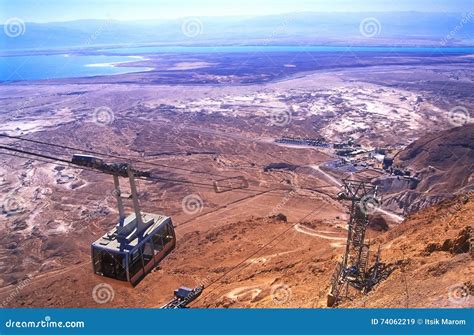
(352, 270)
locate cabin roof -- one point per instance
(111, 240)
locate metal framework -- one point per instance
(118, 170)
(353, 269)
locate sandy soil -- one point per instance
(199, 134)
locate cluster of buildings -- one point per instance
(315, 142)
(353, 156)
(380, 159)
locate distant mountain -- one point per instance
(388, 28)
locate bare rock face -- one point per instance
(378, 223)
(462, 243)
(410, 201)
(441, 163)
(458, 245)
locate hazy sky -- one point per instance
(66, 10)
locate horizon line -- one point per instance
(240, 16)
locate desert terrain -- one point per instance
(216, 123)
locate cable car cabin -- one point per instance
(127, 255)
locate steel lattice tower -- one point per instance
(352, 270)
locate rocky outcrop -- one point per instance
(441, 166)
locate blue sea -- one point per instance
(296, 48)
(43, 67)
(102, 62)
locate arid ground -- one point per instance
(218, 125)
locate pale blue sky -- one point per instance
(67, 10)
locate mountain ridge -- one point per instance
(306, 28)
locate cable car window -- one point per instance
(162, 234)
(120, 272)
(135, 264)
(157, 243)
(147, 252)
(96, 259)
(168, 234)
(109, 264)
